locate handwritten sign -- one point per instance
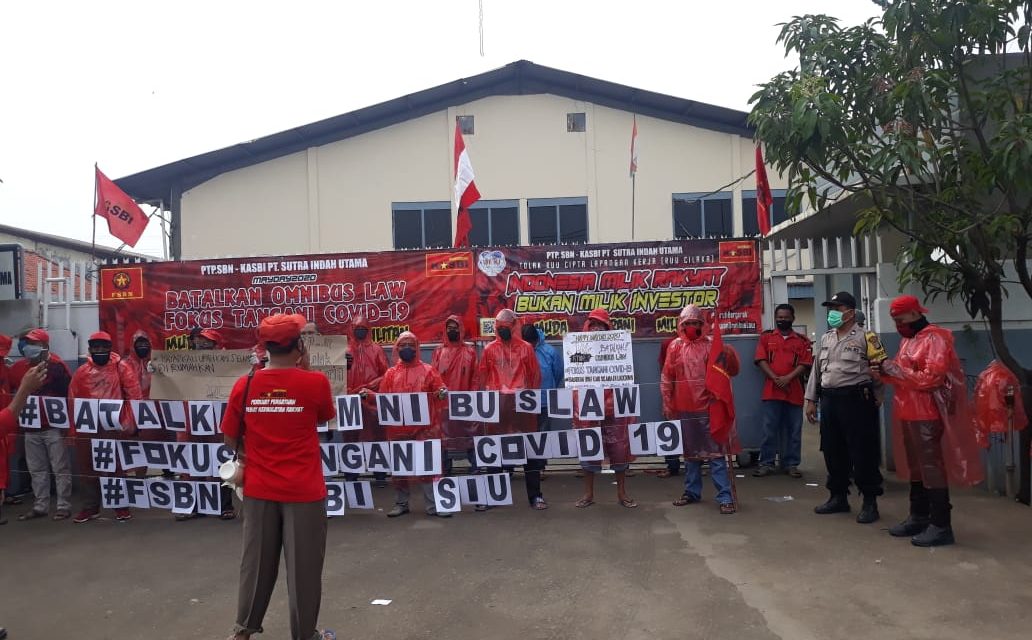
(197, 375)
(598, 359)
(327, 354)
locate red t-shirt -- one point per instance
(784, 354)
(281, 444)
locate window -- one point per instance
(496, 223)
(558, 220)
(465, 124)
(576, 122)
(422, 225)
(699, 215)
(778, 215)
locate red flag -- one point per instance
(126, 221)
(763, 198)
(465, 190)
(634, 147)
(718, 383)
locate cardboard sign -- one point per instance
(597, 359)
(327, 354)
(197, 375)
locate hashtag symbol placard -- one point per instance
(103, 455)
(112, 492)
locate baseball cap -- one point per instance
(904, 304)
(38, 335)
(843, 298)
(281, 328)
(100, 335)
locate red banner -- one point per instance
(644, 286)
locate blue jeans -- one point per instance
(782, 431)
(719, 473)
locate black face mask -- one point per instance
(784, 325)
(361, 333)
(101, 359)
(453, 335)
(407, 354)
(142, 352)
(530, 334)
(505, 333)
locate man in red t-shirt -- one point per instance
(784, 356)
(272, 415)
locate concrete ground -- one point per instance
(774, 570)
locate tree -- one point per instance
(925, 116)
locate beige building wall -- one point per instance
(338, 197)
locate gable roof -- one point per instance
(517, 78)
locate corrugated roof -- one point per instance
(70, 243)
(517, 78)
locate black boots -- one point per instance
(869, 512)
(933, 536)
(837, 503)
(912, 526)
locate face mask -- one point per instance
(361, 333)
(530, 334)
(784, 325)
(693, 333)
(407, 354)
(505, 333)
(142, 352)
(911, 329)
(453, 335)
(101, 359)
(835, 319)
(32, 351)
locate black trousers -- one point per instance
(850, 440)
(930, 503)
(531, 476)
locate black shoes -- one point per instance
(869, 512)
(912, 526)
(933, 536)
(835, 504)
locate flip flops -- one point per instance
(628, 503)
(584, 503)
(32, 515)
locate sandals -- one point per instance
(12, 500)
(628, 503)
(228, 514)
(684, 500)
(32, 515)
(539, 504)
(727, 508)
(62, 514)
(183, 517)
(584, 503)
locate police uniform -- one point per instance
(841, 381)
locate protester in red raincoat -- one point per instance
(507, 365)
(456, 361)
(138, 361)
(368, 364)
(932, 427)
(685, 398)
(103, 376)
(411, 375)
(615, 439)
(11, 407)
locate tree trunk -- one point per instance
(1025, 443)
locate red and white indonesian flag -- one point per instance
(634, 147)
(465, 190)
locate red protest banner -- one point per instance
(644, 285)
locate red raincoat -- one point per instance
(992, 415)
(368, 364)
(930, 387)
(456, 362)
(414, 377)
(138, 365)
(615, 439)
(115, 380)
(508, 367)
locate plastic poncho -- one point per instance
(456, 362)
(930, 388)
(508, 367)
(414, 377)
(115, 380)
(615, 439)
(138, 365)
(683, 389)
(992, 414)
(368, 364)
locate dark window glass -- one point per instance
(479, 235)
(465, 124)
(750, 227)
(576, 122)
(573, 223)
(543, 225)
(687, 218)
(780, 215)
(505, 226)
(437, 227)
(717, 217)
(408, 229)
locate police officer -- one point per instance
(841, 381)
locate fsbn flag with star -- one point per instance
(126, 221)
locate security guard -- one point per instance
(841, 381)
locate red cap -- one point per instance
(599, 315)
(38, 335)
(101, 335)
(5, 345)
(212, 335)
(906, 304)
(281, 328)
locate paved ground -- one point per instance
(775, 570)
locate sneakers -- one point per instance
(764, 471)
(869, 512)
(794, 472)
(835, 504)
(85, 516)
(933, 536)
(123, 515)
(398, 510)
(539, 504)
(912, 526)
